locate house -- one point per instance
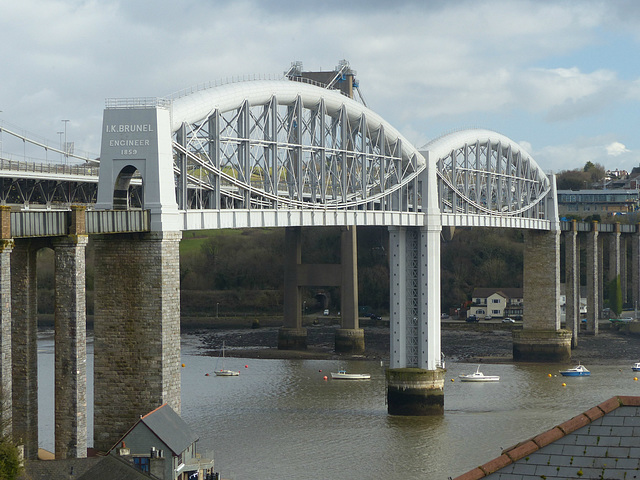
(496, 302)
(563, 301)
(162, 444)
(599, 443)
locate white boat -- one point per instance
(478, 376)
(343, 375)
(224, 372)
(636, 367)
(577, 371)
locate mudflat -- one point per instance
(461, 344)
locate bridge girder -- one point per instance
(290, 146)
(483, 173)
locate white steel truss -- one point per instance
(483, 173)
(288, 152)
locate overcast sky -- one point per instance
(562, 78)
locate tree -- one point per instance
(615, 296)
(10, 465)
(572, 180)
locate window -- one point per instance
(496, 312)
(141, 463)
(495, 300)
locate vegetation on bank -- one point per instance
(240, 272)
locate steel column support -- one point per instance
(181, 139)
(214, 155)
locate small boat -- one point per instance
(636, 367)
(343, 375)
(577, 371)
(224, 372)
(478, 376)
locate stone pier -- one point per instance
(541, 339)
(136, 330)
(415, 391)
(293, 336)
(24, 336)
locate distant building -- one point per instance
(496, 302)
(162, 444)
(563, 301)
(585, 203)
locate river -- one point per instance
(280, 419)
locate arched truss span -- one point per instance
(481, 172)
(284, 144)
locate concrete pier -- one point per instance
(541, 339)
(415, 391)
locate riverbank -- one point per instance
(462, 343)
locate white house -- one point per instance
(496, 302)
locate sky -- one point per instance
(561, 78)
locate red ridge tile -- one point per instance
(548, 437)
(475, 474)
(574, 424)
(522, 450)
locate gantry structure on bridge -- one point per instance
(287, 152)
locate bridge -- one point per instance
(284, 153)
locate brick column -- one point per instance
(292, 336)
(635, 267)
(572, 283)
(614, 254)
(624, 269)
(6, 384)
(593, 279)
(350, 337)
(70, 347)
(541, 339)
(24, 308)
(136, 330)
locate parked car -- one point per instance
(488, 317)
(472, 318)
(508, 320)
(444, 315)
(373, 316)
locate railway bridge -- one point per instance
(285, 153)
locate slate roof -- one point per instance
(112, 467)
(169, 427)
(603, 442)
(486, 292)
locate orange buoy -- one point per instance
(183, 365)
(325, 377)
(635, 379)
(550, 375)
(564, 384)
(246, 366)
(452, 380)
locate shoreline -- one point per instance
(461, 344)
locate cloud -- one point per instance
(616, 149)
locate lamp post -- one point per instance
(60, 137)
(65, 141)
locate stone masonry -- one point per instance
(24, 338)
(136, 330)
(70, 347)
